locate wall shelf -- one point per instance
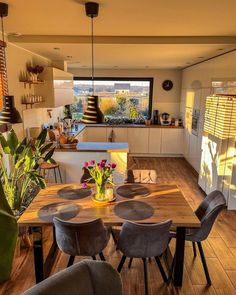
(32, 83)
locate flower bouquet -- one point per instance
(101, 173)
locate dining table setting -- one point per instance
(139, 203)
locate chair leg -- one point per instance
(194, 249)
(113, 236)
(204, 263)
(130, 262)
(94, 257)
(145, 275)
(59, 172)
(71, 261)
(55, 174)
(119, 268)
(102, 256)
(163, 274)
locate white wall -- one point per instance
(17, 58)
(164, 101)
(196, 85)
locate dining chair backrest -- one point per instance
(144, 240)
(81, 239)
(87, 277)
(207, 213)
(141, 176)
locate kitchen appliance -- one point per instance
(155, 117)
(165, 119)
(195, 121)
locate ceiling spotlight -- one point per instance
(220, 49)
(56, 48)
(201, 56)
(115, 66)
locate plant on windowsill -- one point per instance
(23, 172)
(101, 173)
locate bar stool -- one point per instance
(50, 166)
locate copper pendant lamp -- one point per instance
(9, 113)
(93, 114)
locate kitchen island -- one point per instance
(72, 160)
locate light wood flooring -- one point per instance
(220, 247)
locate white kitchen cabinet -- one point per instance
(118, 134)
(172, 141)
(138, 140)
(154, 146)
(57, 89)
(95, 134)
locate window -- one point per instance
(3, 73)
(129, 99)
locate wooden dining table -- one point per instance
(162, 201)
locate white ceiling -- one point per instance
(125, 18)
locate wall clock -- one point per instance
(167, 85)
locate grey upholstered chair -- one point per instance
(81, 239)
(144, 241)
(85, 278)
(141, 176)
(207, 213)
(136, 176)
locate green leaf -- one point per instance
(12, 141)
(49, 155)
(46, 148)
(21, 146)
(4, 144)
(41, 138)
(4, 206)
(52, 161)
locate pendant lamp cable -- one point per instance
(92, 42)
(4, 74)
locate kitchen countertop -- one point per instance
(103, 147)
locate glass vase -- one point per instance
(100, 193)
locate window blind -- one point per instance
(3, 73)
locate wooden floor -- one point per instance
(220, 248)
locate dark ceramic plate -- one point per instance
(130, 191)
(62, 210)
(133, 210)
(74, 192)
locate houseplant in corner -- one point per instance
(18, 180)
(101, 174)
(23, 172)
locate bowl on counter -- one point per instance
(68, 145)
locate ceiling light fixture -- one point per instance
(9, 113)
(93, 114)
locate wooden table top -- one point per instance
(167, 201)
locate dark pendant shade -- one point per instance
(93, 114)
(9, 113)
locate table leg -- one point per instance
(179, 256)
(38, 253)
(43, 266)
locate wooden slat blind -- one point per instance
(220, 116)
(3, 73)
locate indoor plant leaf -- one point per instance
(41, 138)
(4, 145)
(49, 155)
(8, 234)
(12, 141)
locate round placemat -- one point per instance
(131, 191)
(74, 192)
(133, 210)
(62, 210)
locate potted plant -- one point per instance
(24, 168)
(17, 181)
(101, 174)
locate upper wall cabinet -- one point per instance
(58, 88)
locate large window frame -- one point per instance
(149, 79)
